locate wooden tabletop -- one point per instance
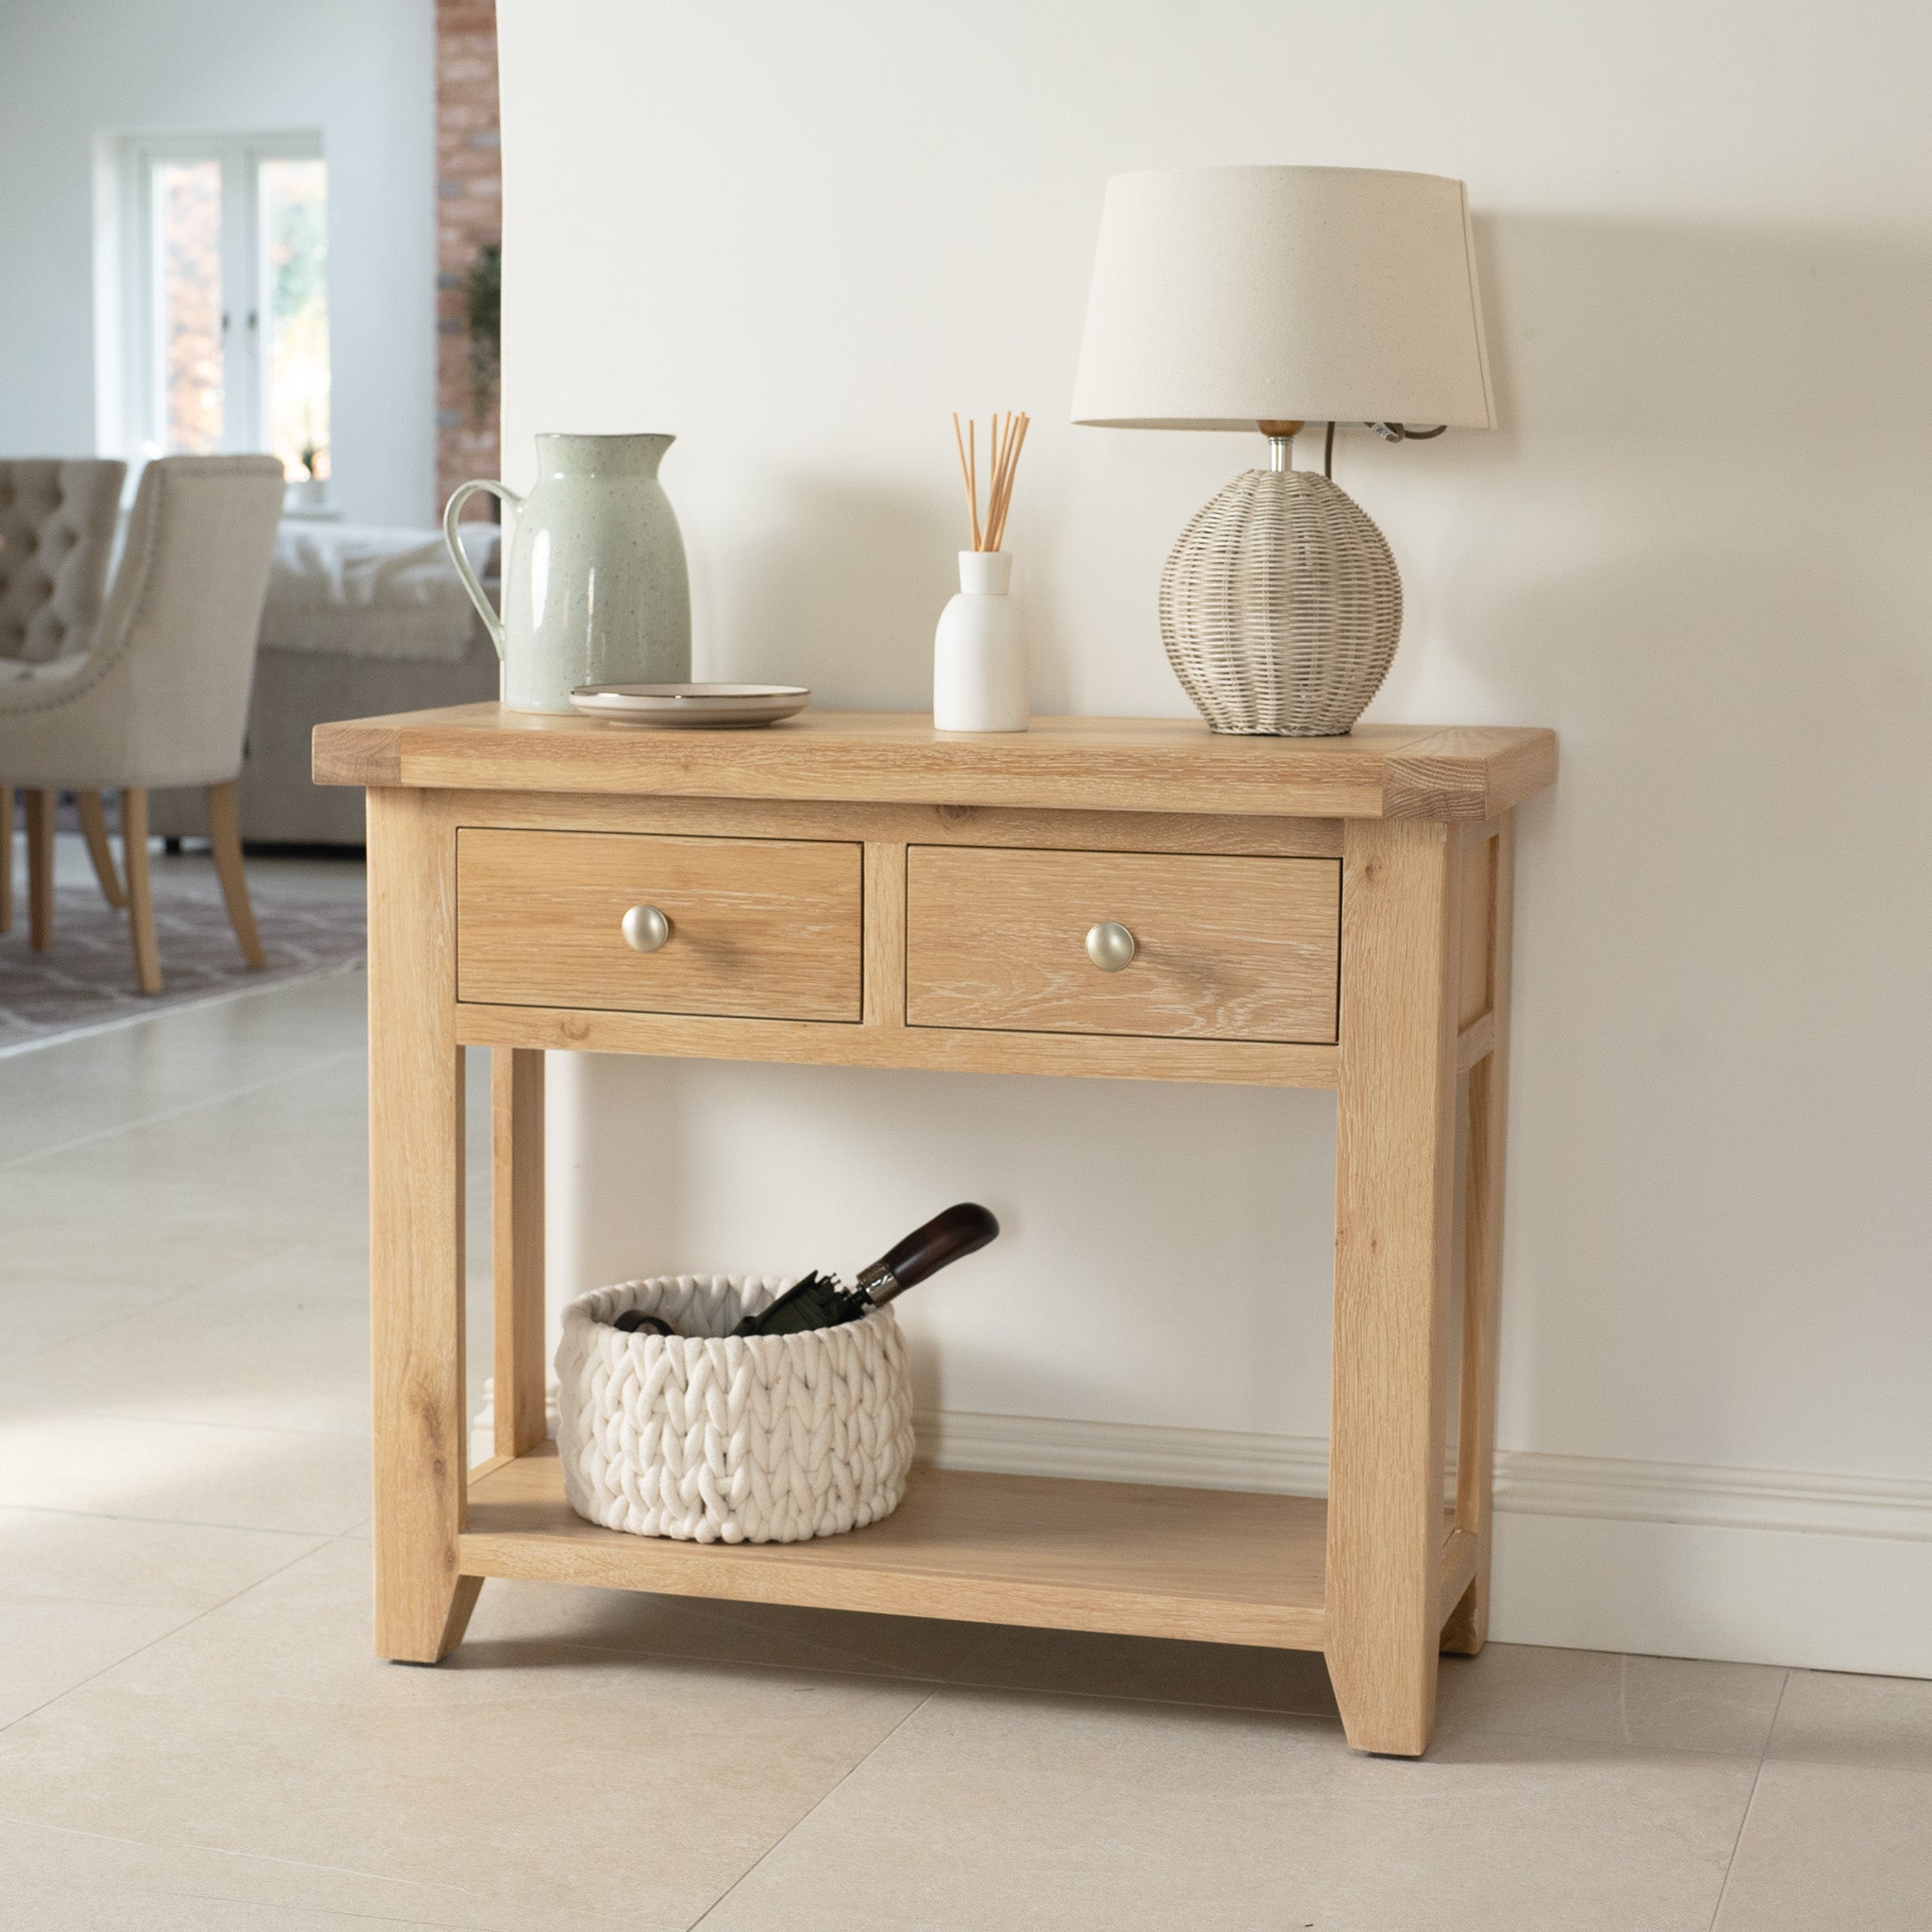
(1119, 764)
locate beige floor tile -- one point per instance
(535, 1777)
(775, 1634)
(1675, 1704)
(270, 1033)
(1833, 1848)
(182, 1566)
(61, 1879)
(990, 1810)
(38, 1909)
(61, 1096)
(1089, 1665)
(72, 1229)
(335, 1269)
(37, 1311)
(78, 1593)
(281, 1343)
(48, 1645)
(1829, 1718)
(69, 1092)
(279, 1338)
(287, 1160)
(228, 1038)
(170, 1472)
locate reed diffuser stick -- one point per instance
(966, 476)
(1016, 445)
(972, 475)
(1004, 441)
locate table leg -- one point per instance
(516, 1107)
(1395, 1157)
(5, 857)
(93, 825)
(141, 897)
(1468, 1628)
(40, 869)
(416, 1228)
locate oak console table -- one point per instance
(858, 890)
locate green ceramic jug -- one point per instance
(594, 587)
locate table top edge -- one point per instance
(1140, 764)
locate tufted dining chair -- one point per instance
(160, 695)
(56, 535)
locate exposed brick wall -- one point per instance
(468, 213)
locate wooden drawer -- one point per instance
(1224, 948)
(760, 928)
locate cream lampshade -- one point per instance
(1265, 298)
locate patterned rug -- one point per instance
(86, 982)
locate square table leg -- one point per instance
(416, 1228)
(516, 1110)
(1468, 1628)
(1395, 1161)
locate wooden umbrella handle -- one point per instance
(959, 1231)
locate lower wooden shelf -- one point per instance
(1217, 1565)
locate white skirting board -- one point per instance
(1672, 1560)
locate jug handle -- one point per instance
(504, 493)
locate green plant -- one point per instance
(483, 316)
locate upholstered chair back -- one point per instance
(185, 611)
(56, 533)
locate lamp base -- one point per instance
(1280, 606)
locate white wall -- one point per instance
(360, 71)
(1697, 547)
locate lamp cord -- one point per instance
(1388, 432)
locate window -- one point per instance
(212, 278)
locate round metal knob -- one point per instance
(645, 930)
(1111, 947)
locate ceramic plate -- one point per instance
(692, 707)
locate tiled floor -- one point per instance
(193, 1733)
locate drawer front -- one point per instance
(760, 928)
(1223, 948)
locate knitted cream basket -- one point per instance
(714, 1438)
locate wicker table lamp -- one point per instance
(1266, 298)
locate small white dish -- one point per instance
(692, 707)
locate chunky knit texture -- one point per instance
(712, 1437)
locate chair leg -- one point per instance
(225, 833)
(5, 857)
(141, 903)
(93, 821)
(39, 870)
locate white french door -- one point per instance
(226, 297)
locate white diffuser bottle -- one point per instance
(979, 651)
